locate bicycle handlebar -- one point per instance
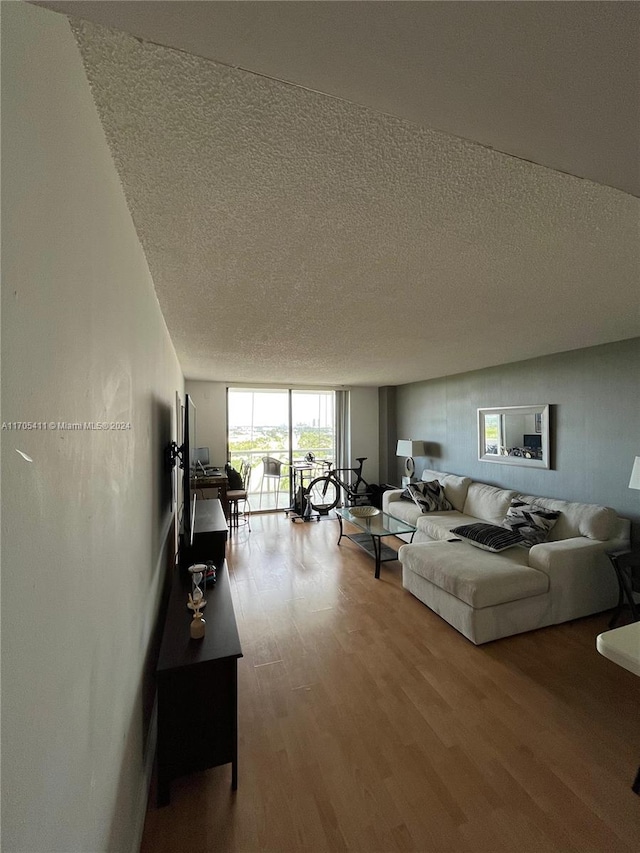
(359, 459)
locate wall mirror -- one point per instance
(514, 435)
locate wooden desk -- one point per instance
(198, 687)
(218, 481)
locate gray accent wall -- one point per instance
(594, 396)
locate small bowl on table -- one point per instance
(363, 511)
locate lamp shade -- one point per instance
(634, 482)
(408, 447)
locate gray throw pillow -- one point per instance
(489, 537)
(532, 522)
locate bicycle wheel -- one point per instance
(323, 493)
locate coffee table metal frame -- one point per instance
(374, 529)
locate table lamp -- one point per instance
(634, 482)
(409, 448)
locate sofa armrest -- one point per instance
(549, 557)
(389, 496)
(581, 577)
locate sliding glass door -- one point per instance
(271, 428)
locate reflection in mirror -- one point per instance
(514, 435)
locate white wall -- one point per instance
(210, 400)
(85, 525)
(211, 423)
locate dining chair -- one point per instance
(236, 496)
(272, 473)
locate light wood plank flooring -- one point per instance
(367, 723)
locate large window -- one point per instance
(283, 424)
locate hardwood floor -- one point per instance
(367, 723)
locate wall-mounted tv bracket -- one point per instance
(174, 451)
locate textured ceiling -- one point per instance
(554, 83)
(295, 237)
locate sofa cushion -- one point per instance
(532, 522)
(437, 525)
(428, 475)
(489, 537)
(487, 502)
(478, 578)
(455, 487)
(405, 511)
(429, 497)
(576, 519)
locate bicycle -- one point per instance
(324, 492)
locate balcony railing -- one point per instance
(267, 488)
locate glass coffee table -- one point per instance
(374, 528)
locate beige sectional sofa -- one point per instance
(487, 595)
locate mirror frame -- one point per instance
(483, 456)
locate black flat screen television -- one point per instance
(533, 441)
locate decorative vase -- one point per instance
(198, 626)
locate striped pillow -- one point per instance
(489, 537)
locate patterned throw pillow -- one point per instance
(532, 522)
(489, 537)
(407, 495)
(428, 497)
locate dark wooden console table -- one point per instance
(210, 532)
(197, 683)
